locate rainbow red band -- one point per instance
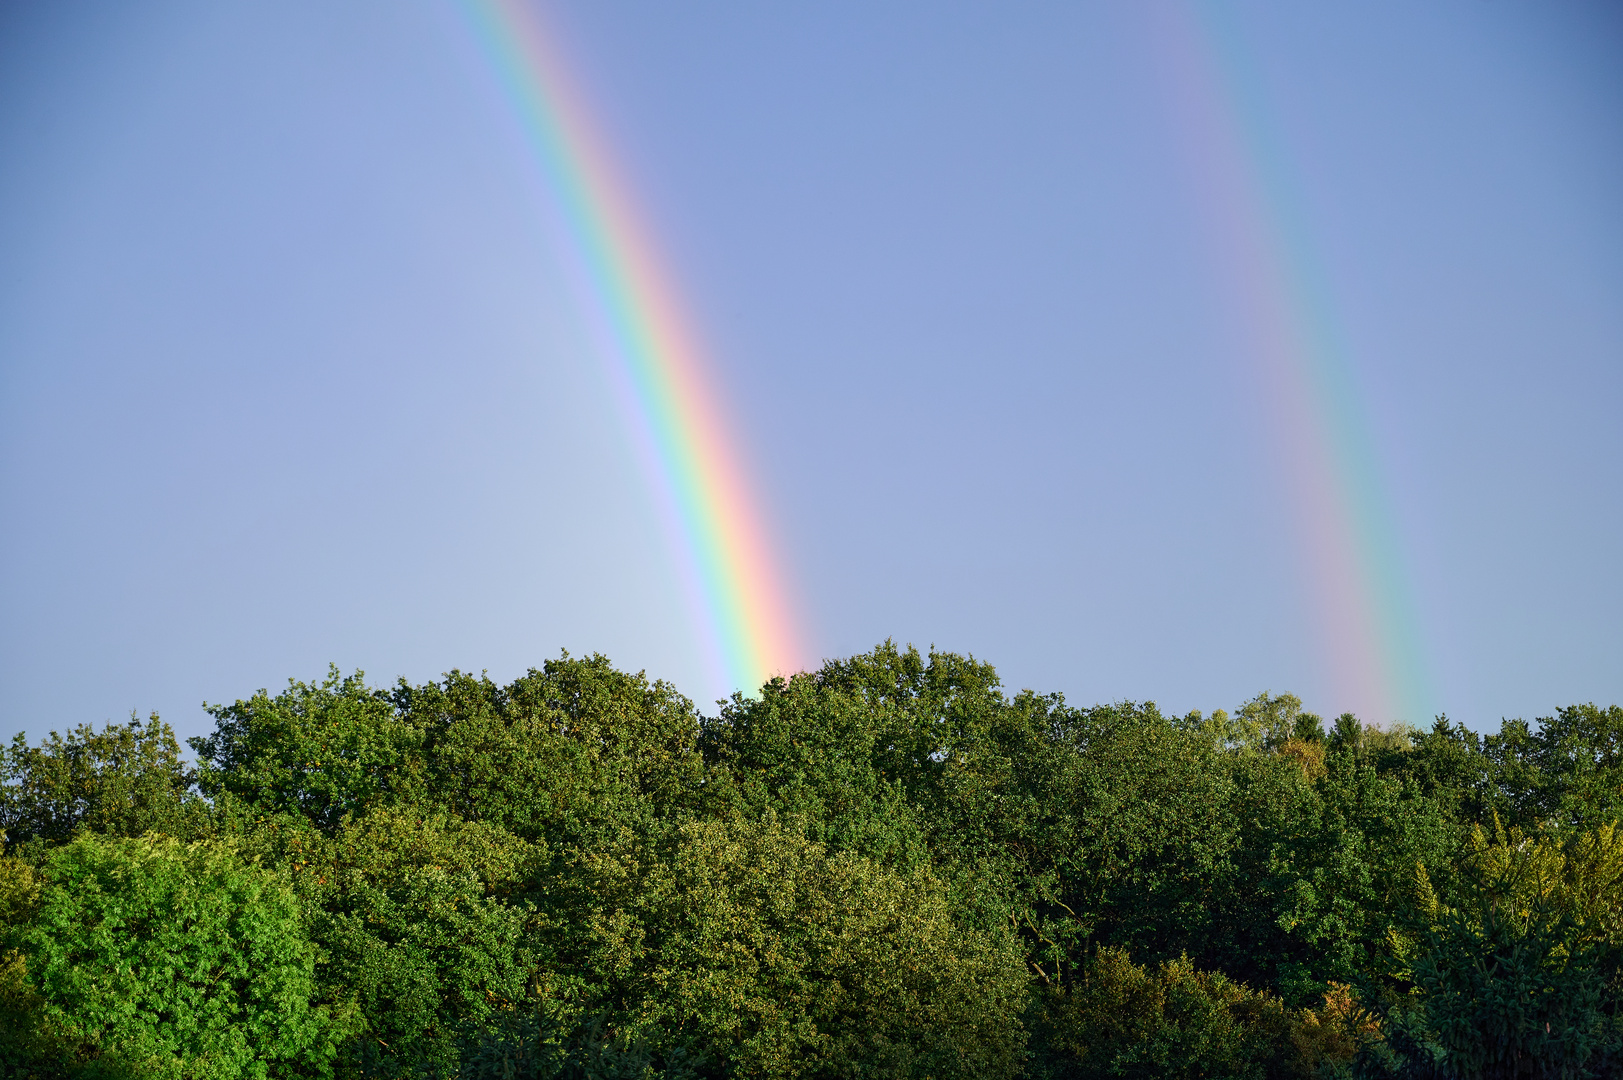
(733, 583)
(1370, 631)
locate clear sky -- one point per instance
(291, 370)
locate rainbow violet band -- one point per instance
(734, 585)
(1349, 539)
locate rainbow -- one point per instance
(1369, 628)
(733, 584)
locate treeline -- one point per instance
(884, 868)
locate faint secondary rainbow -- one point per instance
(1370, 629)
(732, 580)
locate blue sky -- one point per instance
(291, 372)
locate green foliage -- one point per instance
(417, 921)
(124, 780)
(1319, 865)
(1119, 1019)
(153, 958)
(1151, 844)
(323, 752)
(1268, 722)
(29, 1046)
(1512, 978)
(1578, 754)
(567, 755)
(524, 1044)
(772, 956)
(812, 749)
(884, 867)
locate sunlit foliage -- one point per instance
(888, 867)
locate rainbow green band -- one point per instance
(1371, 631)
(734, 586)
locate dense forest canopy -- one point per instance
(888, 867)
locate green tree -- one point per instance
(1513, 969)
(124, 780)
(767, 955)
(30, 1048)
(566, 755)
(1579, 753)
(418, 925)
(323, 752)
(155, 958)
(1122, 1020)
(1320, 862)
(817, 750)
(1268, 721)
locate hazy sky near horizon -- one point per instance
(290, 372)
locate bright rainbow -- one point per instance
(1370, 629)
(732, 583)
